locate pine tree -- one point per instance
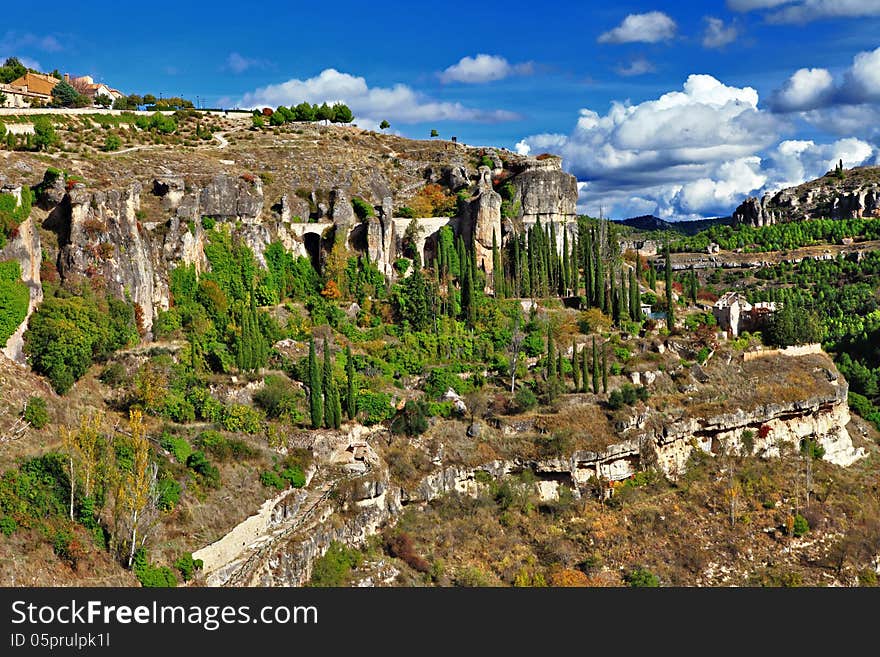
(316, 388)
(595, 368)
(670, 310)
(575, 367)
(350, 389)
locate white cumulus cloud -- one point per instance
(807, 89)
(691, 153)
(718, 34)
(652, 27)
(398, 104)
(484, 68)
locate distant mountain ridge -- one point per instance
(650, 222)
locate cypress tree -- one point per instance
(595, 368)
(599, 278)
(575, 265)
(587, 246)
(624, 297)
(635, 299)
(693, 285)
(652, 278)
(332, 405)
(585, 370)
(670, 310)
(552, 259)
(516, 268)
(316, 388)
(497, 271)
(566, 264)
(350, 390)
(604, 370)
(468, 291)
(560, 370)
(615, 299)
(551, 353)
(575, 367)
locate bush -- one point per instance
(178, 446)
(149, 575)
(208, 223)
(7, 526)
(641, 577)
(361, 208)
(187, 566)
(223, 448)
(334, 568)
(800, 526)
(374, 407)
(271, 479)
(114, 375)
(35, 412)
(168, 490)
(399, 544)
(411, 420)
(242, 419)
(14, 294)
(112, 143)
(199, 463)
(525, 399)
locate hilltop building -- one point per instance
(735, 314)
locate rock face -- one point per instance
(485, 221)
(101, 236)
(857, 195)
(545, 191)
(26, 248)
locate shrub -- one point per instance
(242, 419)
(411, 420)
(114, 375)
(208, 223)
(271, 479)
(812, 449)
(187, 566)
(168, 490)
(361, 208)
(294, 476)
(149, 575)
(374, 407)
(112, 143)
(399, 544)
(334, 568)
(7, 525)
(223, 448)
(35, 412)
(14, 294)
(525, 399)
(199, 463)
(800, 526)
(641, 577)
(178, 446)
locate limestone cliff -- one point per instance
(855, 194)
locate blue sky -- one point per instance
(675, 108)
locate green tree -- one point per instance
(44, 133)
(64, 95)
(595, 368)
(12, 69)
(434, 133)
(324, 113)
(670, 309)
(316, 388)
(332, 405)
(351, 396)
(384, 125)
(604, 370)
(112, 143)
(342, 113)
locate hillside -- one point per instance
(306, 347)
(844, 194)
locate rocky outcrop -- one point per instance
(24, 246)
(484, 221)
(857, 195)
(544, 191)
